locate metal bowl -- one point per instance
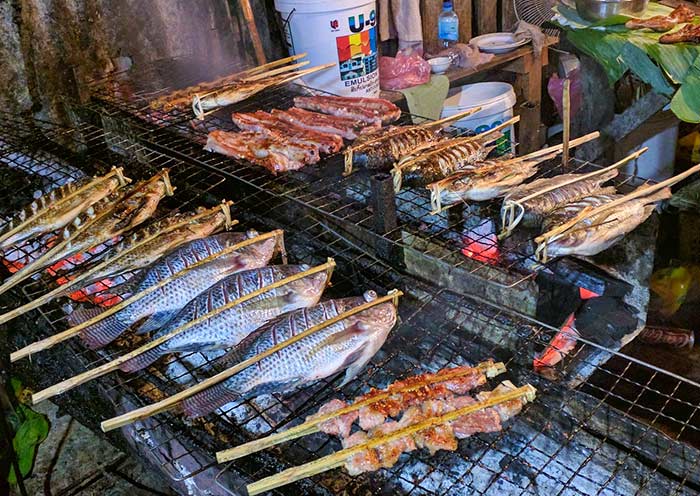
(597, 10)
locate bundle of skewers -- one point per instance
(199, 289)
(207, 97)
(431, 411)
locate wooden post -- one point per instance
(508, 17)
(486, 12)
(253, 29)
(528, 86)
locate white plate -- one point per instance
(498, 42)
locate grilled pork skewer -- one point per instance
(105, 220)
(141, 249)
(336, 417)
(184, 96)
(538, 198)
(660, 24)
(427, 428)
(383, 148)
(239, 91)
(59, 207)
(276, 349)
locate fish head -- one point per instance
(307, 290)
(250, 257)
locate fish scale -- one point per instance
(383, 148)
(228, 327)
(346, 345)
(160, 306)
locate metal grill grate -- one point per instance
(630, 429)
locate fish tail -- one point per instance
(141, 361)
(208, 400)
(100, 333)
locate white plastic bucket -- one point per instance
(340, 31)
(496, 101)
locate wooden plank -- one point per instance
(464, 11)
(508, 17)
(486, 14)
(429, 11)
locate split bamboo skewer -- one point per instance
(275, 72)
(436, 187)
(339, 458)
(566, 103)
(270, 65)
(75, 330)
(592, 212)
(166, 404)
(198, 108)
(115, 171)
(112, 365)
(489, 369)
(350, 150)
(6, 317)
(397, 173)
(510, 221)
(40, 263)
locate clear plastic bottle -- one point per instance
(448, 25)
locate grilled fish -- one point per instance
(595, 234)
(161, 305)
(346, 345)
(107, 219)
(489, 180)
(537, 208)
(230, 326)
(59, 207)
(383, 148)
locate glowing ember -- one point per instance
(481, 243)
(559, 347)
(587, 294)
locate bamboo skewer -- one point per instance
(75, 330)
(40, 263)
(166, 404)
(566, 103)
(510, 221)
(590, 212)
(112, 365)
(275, 72)
(339, 458)
(270, 65)
(36, 303)
(544, 154)
(489, 369)
(350, 150)
(115, 171)
(198, 107)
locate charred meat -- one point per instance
(680, 15)
(690, 33)
(374, 111)
(347, 127)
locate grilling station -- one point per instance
(277, 277)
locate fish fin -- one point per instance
(154, 322)
(355, 362)
(103, 332)
(274, 387)
(338, 337)
(142, 361)
(208, 400)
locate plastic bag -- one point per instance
(555, 88)
(403, 71)
(671, 285)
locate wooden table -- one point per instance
(527, 68)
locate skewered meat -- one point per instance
(275, 128)
(388, 453)
(228, 327)
(537, 208)
(337, 426)
(364, 461)
(660, 24)
(383, 148)
(160, 306)
(346, 127)
(595, 234)
(346, 345)
(58, 208)
(276, 155)
(375, 111)
(689, 33)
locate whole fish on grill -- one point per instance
(160, 306)
(346, 345)
(228, 327)
(105, 220)
(434, 161)
(537, 208)
(488, 180)
(59, 207)
(594, 234)
(383, 148)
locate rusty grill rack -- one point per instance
(629, 429)
(360, 200)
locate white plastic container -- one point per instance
(660, 134)
(496, 101)
(340, 31)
